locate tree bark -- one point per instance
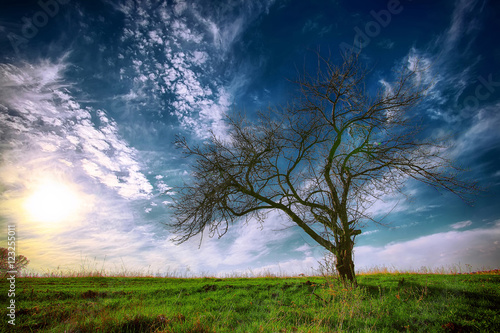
(345, 262)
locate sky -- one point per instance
(93, 94)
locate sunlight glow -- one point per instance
(52, 202)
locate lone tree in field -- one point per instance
(7, 264)
(321, 160)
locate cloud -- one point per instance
(386, 204)
(309, 26)
(386, 44)
(178, 70)
(370, 232)
(482, 133)
(306, 266)
(184, 44)
(425, 208)
(42, 121)
(187, 45)
(313, 26)
(304, 248)
(445, 98)
(464, 22)
(440, 60)
(180, 7)
(477, 247)
(254, 240)
(181, 31)
(117, 249)
(460, 225)
(47, 134)
(244, 246)
(226, 22)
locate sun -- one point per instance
(52, 202)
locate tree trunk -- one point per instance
(345, 263)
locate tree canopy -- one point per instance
(322, 160)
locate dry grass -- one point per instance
(443, 270)
(326, 268)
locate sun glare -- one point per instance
(52, 202)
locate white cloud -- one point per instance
(477, 247)
(304, 248)
(44, 120)
(387, 203)
(463, 22)
(155, 36)
(194, 97)
(441, 58)
(180, 7)
(181, 31)
(425, 208)
(254, 240)
(366, 233)
(49, 134)
(483, 132)
(406, 225)
(199, 57)
(162, 187)
(460, 225)
(170, 73)
(242, 248)
(293, 267)
(427, 74)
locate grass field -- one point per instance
(382, 303)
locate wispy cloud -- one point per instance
(439, 60)
(477, 247)
(44, 124)
(481, 134)
(386, 44)
(426, 208)
(308, 265)
(460, 225)
(170, 72)
(447, 83)
(313, 25)
(47, 134)
(187, 44)
(464, 22)
(253, 240)
(306, 249)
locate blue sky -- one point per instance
(93, 93)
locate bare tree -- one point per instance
(322, 160)
(6, 265)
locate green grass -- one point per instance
(382, 303)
